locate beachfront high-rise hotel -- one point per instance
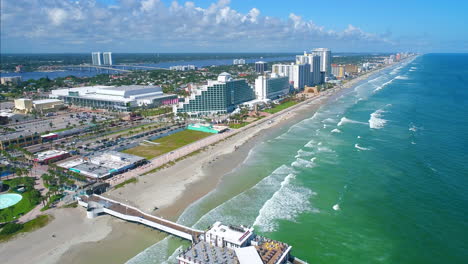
(325, 60)
(219, 96)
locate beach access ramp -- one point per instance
(97, 204)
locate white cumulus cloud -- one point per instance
(149, 25)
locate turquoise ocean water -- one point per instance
(377, 175)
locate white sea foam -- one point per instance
(375, 121)
(383, 85)
(244, 207)
(336, 130)
(413, 128)
(329, 120)
(286, 204)
(310, 144)
(400, 77)
(345, 120)
(302, 163)
(302, 153)
(153, 254)
(324, 149)
(360, 148)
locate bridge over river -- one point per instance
(97, 204)
(122, 68)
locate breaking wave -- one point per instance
(400, 77)
(383, 85)
(360, 148)
(345, 120)
(286, 204)
(336, 130)
(375, 121)
(302, 153)
(310, 144)
(302, 163)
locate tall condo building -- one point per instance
(238, 62)
(107, 56)
(271, 86)
(314, 62)
(301, 76)
(96, 58)
(325, 60)
(338, 71)
(217, 97)
(261, 66)
(315, 70)
(283, 70)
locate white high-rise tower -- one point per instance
(107, 56)
(325, 60)
(96, 58)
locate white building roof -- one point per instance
(125, 94)
(49, 154)
(47, 101)
(248, 255)
(230, 234)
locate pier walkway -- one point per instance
(97, 204)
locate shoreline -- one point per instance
(190, 179)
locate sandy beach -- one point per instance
(165, 193)
(46, 245)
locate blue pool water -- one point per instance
(9, 199)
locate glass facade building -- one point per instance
(217, 97)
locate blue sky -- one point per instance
(233, 26)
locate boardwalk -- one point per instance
(97, 204)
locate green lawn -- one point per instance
(32, 225)
(167, 144)
(243, 124)
(29, 201)
(280, 107)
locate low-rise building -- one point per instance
(338, 71)
(49, 156)
(235, 245)
(102, 165)
(119, 98)
(24, 105)
(228, 236)
(20, 139)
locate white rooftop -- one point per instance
(46, 101)
(248, 255)
(128, 93)
(235, 235)
(49, 154)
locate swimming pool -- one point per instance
(9, 199)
